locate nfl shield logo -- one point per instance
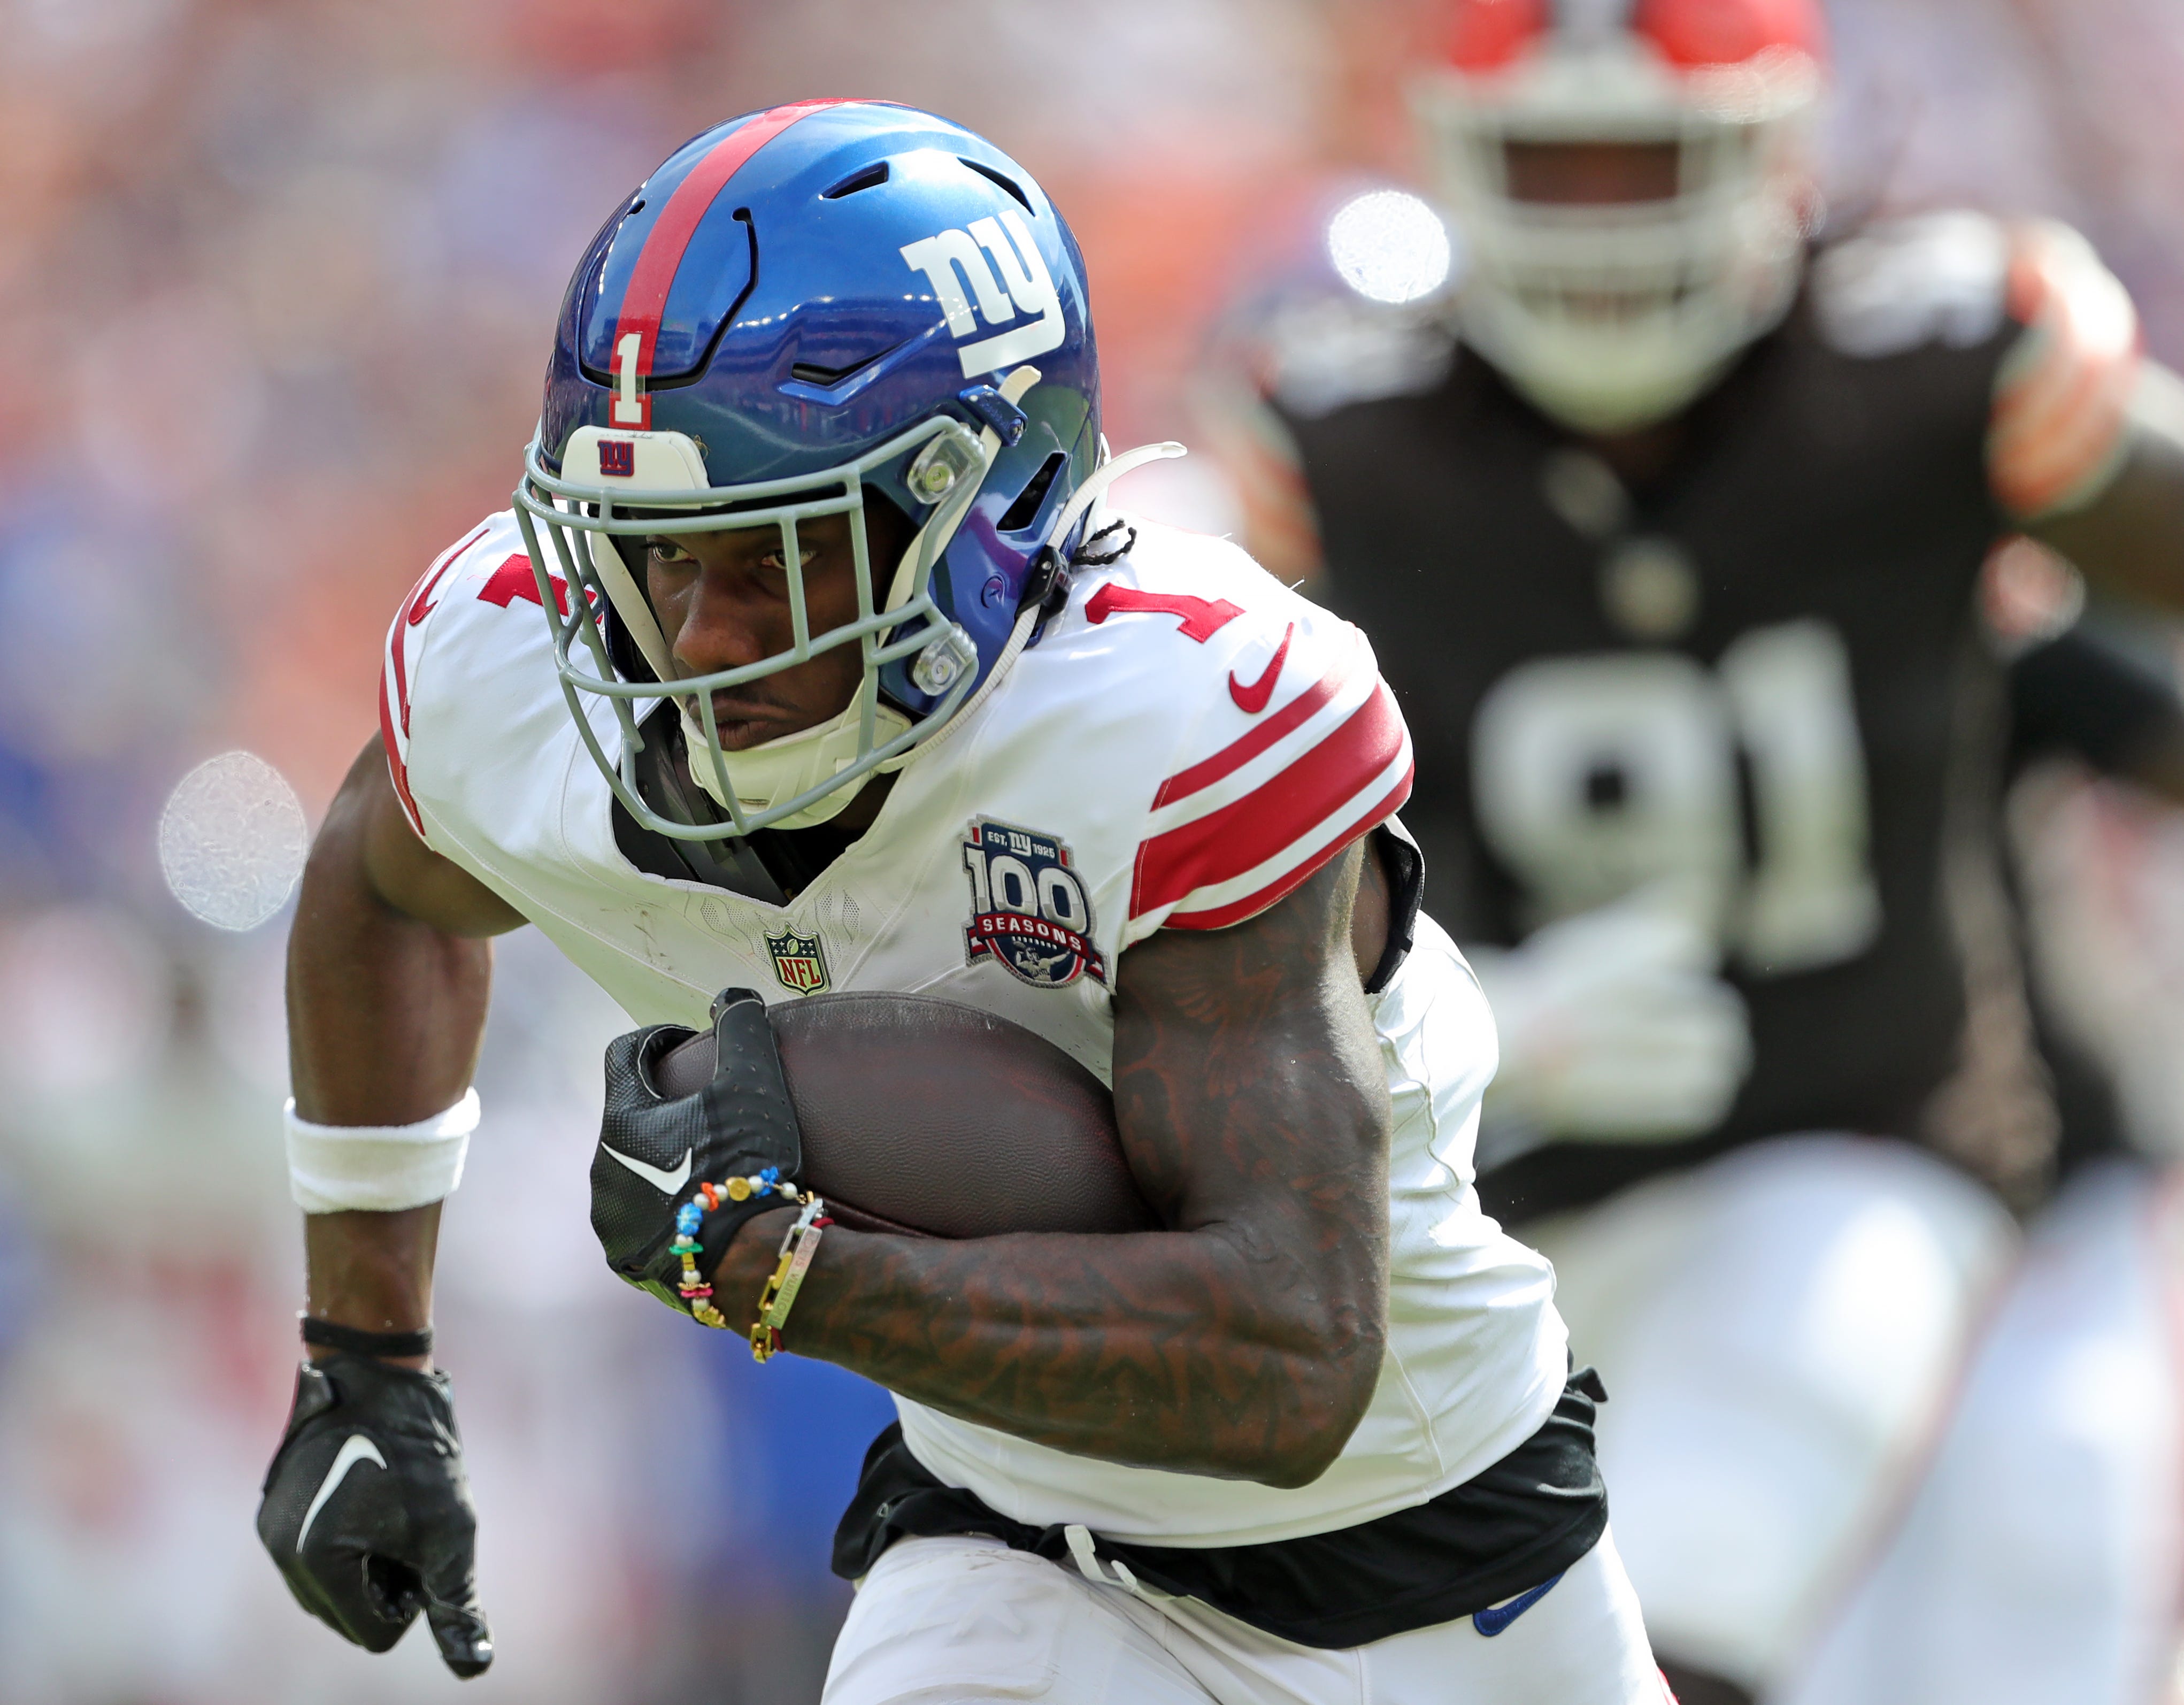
(798, 962)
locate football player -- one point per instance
(811, 658)
(1667, 533)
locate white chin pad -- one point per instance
(765, 775)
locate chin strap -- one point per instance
(1096, 483)
(1020, 637)
(1049, 585)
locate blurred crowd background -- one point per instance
(275, 287)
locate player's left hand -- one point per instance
(654, 1150)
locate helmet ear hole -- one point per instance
(1033, 498)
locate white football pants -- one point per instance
(953, 1621)
(1780, 1331)
(2039, 1560)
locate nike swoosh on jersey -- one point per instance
(658, 1177)
(356, 1448)
(1252, 699)
(420, 607)
(1496, 1618)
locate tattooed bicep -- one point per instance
(1245, 1068)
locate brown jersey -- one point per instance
(1759, 678)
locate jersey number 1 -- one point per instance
(1595, 776)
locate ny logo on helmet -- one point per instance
(1029, 289)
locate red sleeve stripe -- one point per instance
(398, 769)
(413, 610)
(1348, 681)
(1275, 824)
(396, 672)
(393, 674)
(1236, 912)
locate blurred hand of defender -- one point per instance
(367, 1512)
(1614, 1027)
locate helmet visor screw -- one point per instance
(942, 663)
(953, 457)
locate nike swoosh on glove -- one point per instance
(367, 1512)
(654, 1152)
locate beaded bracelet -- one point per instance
(798, 1247)
(691, 1215)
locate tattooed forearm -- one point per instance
(1245, 1341)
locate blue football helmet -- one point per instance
(800, 308)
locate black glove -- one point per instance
(654, 1152)
(366, 1511)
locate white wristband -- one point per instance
(381, 1168)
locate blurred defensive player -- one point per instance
(1669, 537)
(810, 659)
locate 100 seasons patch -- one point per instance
(1029, 912)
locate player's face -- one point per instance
(1593, 174)
(722, 601)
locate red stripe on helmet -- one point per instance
(646, 299)
(1489, 35)
(1692, 33)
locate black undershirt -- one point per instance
(1504, 1531)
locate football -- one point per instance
(925, 1116)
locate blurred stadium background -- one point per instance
(275, 283)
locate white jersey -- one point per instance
(1186, 744)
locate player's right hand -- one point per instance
(654, 1150)
(1615, 1028)
(367, 1512)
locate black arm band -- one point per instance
(328, 1336)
